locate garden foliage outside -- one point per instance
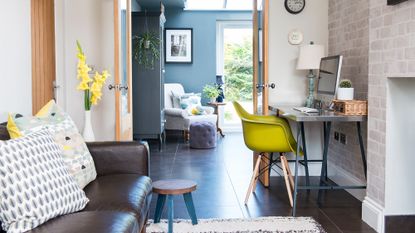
(238, 71)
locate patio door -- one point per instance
(123, 71)
(261, 83)
(234, 64)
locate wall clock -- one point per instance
(294, 6)
(295, 37)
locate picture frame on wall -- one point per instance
(178, 45)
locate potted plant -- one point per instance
(146, 49)
(345, 91)
(211, 91)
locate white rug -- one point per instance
(254, 225)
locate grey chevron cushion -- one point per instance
(35, 183)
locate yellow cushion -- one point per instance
(14, 131)
(45, 109)
(65, 133)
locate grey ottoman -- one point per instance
(202, 135)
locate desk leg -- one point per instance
(362, 147)
(305, 153)
(297, 154)
(325, 152)
(324, 141)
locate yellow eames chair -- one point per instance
(267, 134)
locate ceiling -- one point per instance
(156, 3)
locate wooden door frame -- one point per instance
(255, 60)
(264, 178)
(117, 69)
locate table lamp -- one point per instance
(219, 83)
(309, 59)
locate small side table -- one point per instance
(169, 188)
(216, 106)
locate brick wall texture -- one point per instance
(391, 54)
(349, 36)
(377, 42)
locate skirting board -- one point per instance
(373, 214)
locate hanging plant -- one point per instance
(146, 49)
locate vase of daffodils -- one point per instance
(92, 88)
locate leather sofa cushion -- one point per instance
(122, 193)
(4, 134)
(91, 222)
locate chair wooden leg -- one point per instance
(287, 181)
(253, 179)
(290, 175)
(256, 177)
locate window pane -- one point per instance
(239, 5)
(204, 4)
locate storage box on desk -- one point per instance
(350, 107)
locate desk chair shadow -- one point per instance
(267, 134)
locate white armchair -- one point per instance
(177, 118)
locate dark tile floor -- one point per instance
(223, 176)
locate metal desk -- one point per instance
(326, 117)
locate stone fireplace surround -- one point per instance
(391, 116)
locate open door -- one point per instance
(43, 53)
(260, 82)
(123, 71)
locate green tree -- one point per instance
(238, 71)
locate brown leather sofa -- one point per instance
(119, 197)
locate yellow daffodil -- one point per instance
(94, 100)
(96, 87)
(93, 92)
(83, 86)
(105, 74)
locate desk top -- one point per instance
(324, 116)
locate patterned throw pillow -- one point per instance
(75, 152)
(177, 98)
(192, 104)
(35, 183)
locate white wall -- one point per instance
(313, 22)
(15, 59)
(90, 22)
(291, 85)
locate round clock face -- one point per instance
(294, 6)
(295, 37)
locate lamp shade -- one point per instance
(310, 57)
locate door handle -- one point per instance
(117, 87)
(263, 86)
(259, 86)
(55, 89)
(271, 85)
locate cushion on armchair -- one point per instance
(176, 120)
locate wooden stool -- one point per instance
(169, 188)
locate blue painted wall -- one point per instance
(203, 70)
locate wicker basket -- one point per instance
(350, 107)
